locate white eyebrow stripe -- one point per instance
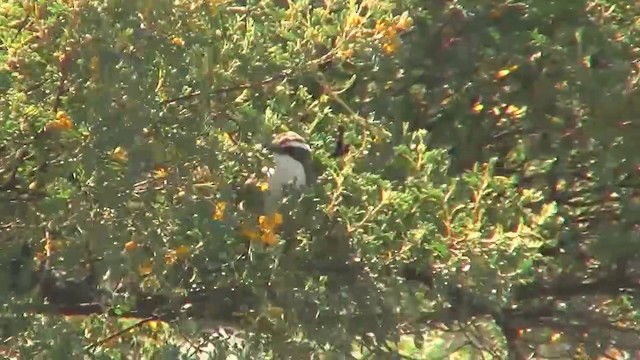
(297, 144)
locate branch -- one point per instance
(65, 60)
(279, 76)
(119, 333)
(565, 288)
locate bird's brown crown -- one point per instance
(288, 138)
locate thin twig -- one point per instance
(197, 348)
(121, 332)
(279, 76)
(282, 75)
(35, 86)
(23, 25)
(64, 67)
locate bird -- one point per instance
(292, 158)
(293, 163)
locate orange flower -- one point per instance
(263, 186)
(390, 47)
(51, 246)
(64, 119)
(477, 107)
(354, 20)
(182, 251)
(160, 172)
(390, 33)
(130, 246)
(346, 53)
(515, 111)
(178, 41)
(277, 219)
(145, 268)
(120, 155)
(218, 213)
(404, 22)
(269, 238)
(268, 223)
(61, 122)
(504, 72)
(381, 26)
(265, 222)
(171, 257)
(154, 324)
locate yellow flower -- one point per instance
(354, 20)
(504, 72)
(64, 119)
(514, 111)
(51, 246)
(6, 9)
(154, 325)
(390, 46)
(171, 257)
(268, 223)
(119, 154)
(277, 219)
(182, 251)
(218, 214)
(404, 22)
(263, 186)
(346, 53)
(160, 172)
(178, 41)
(145, 268)
(477, 107)
(389, 33)
(265, 222)
(269, 238)
(130, 246)
(381, 26)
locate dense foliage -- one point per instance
(488, 204)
